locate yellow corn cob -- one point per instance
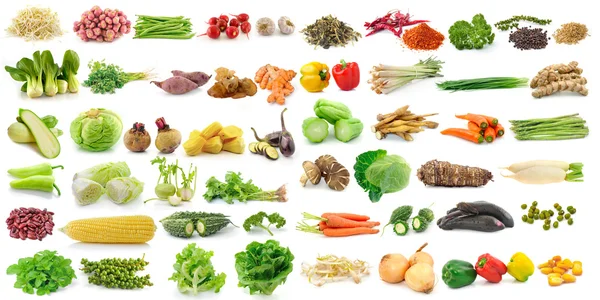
(112, 230)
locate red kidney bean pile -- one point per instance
(30, 223)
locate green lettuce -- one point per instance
(124, 189)
(263, 267)
(194, 271)
(103, 173)
(379, 173)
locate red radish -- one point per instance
(213, 21)
(224, 18)
(245, 27)
(222, 24)
(212, 32)
(234, 22)
(242, 17)
(232, 32)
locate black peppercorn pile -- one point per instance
(527, 38)
(117, 273)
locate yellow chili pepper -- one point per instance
(520, 267)
(315, 77)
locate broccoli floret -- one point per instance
(257, 219)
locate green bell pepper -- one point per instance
(458, 273)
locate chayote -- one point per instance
(331, 111)
(97, 129)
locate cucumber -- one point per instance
(211, 225)
(44, 138)
(179, 227)
(426, 214)
(401, 228)
(252, 147)
(419, 224)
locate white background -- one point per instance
(142, 102)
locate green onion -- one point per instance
(550, 129)
(149, 27)
(487, 83)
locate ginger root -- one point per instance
(402, 122)
(559, 86)
(277, 80)
(228, 85)
(559, 77)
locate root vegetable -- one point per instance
(465, 134)
(167, 139)
(232, 32)
(545, 175)
(243, 17)
(265, 26)
(442, 173)
(421, 257)
(286, 26)
(224, 18)
(200, 78)
(245, 27)
(565, 166)
(559, 86)
(393, 268)
(137, 139)
(222, 25)
(176, 85)
(212, 21)
(401, 122)
(420, 278)
(213, 32)
(276, 80)
(234, 23)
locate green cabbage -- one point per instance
(379, 173)
(124, 189)
(96, 130)
(86, 191)
(103, 173)
(263, 267)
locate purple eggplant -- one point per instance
(477, 223)
(272, 139)
(286, 141)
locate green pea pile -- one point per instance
(117, 273)
(535, 214)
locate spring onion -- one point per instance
(487, 83)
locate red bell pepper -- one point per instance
(490, 268)
(346, 75)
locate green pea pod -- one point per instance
(44, 183)
(41, 169)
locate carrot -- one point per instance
(341, 232)
(473, 127)
(322, 226)
(348, 216)
(499, 130)
(464, 134)
(339, 222)
(477, 119)
(491, 120)
(490, 134)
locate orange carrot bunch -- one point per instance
(338, 224)
(479, 128)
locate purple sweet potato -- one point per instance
(176, 85)
(200, 78)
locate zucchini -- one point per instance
(261, 147)
(401, 228)
(44, 138)
(252, 147)
(271, 153)
(179, 227)
(426, 214)
(419, 224)
(211, 225)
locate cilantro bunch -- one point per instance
(43, 273)
(106, 78)
(474, 35)
(235, 188)
(257, 219)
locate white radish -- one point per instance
(539, 175)
(517, 167)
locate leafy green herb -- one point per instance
(257, 219)
(234, 188)
(379, 173)
(43, 273)
(105, 78)
(474, 35)
(194, 271)
(263, 267)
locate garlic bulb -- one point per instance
(285, 25)
(265, 26)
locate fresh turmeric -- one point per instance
(402, 123)
(277, 80)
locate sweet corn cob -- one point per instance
(112, 230)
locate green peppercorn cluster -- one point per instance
(117, 273)
(514, 22)
(535, 214)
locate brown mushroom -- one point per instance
(311, 172)
(337, 176)
(323, 162)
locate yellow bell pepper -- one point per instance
(315, 77)
(520, 267)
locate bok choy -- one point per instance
(51, 72)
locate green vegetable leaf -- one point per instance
(257, 219)
(69, 68)
(194, 271)
(390, 173)
(103, 173)
(234, 188)
(363, 162)
(263, 267)
(474, 35)
(16, 74)
(43, 273)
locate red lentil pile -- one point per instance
(422, 37)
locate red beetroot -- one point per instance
(222, 24)
(234, 22)
(242, 17)
(245, 27)
(212, 21)
(232, 32)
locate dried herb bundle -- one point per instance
(329, 31)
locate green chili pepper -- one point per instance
(43, 183)
(41, 169)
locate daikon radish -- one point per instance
(565, 166)
(544, 175)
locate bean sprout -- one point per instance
(35, 23)
(330, 268)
